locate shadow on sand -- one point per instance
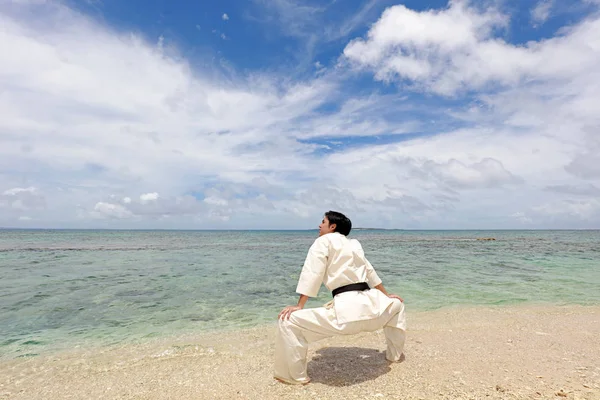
(347, 366)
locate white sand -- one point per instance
(529, 352)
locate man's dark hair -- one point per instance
(342, 223)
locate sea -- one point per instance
(63, 289)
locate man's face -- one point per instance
(325, 227)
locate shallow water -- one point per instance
(62, 288)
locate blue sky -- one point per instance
(264, 114)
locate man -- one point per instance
(360, 303)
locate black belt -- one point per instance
(351, 287)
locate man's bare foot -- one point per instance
(288, 383)
(401, 359)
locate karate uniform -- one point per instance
(336, 261)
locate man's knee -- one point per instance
(284, 325)
(289, 326)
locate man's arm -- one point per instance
(311, 276)
(314, 267)
(286, 312)
(392, 296)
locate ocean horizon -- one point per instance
(185, 230)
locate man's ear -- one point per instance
(333, 226)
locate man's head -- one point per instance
(334, 221)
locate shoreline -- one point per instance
(102, 345)
(517, 351)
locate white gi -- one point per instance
(336, 261)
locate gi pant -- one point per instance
(311, 325)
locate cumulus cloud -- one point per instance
(225, 17)
(150, 205)
(80, 109)
(22, 199)
(488, 172)
(109, 210)
(73, 71)
(146, 197)
(457, 48)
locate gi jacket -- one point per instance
(336, 261)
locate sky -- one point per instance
(264, 114)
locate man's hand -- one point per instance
(393, 296)
(286, 312)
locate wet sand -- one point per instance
(517, 352)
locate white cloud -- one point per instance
(534, 115)
(295, 18)
(488, 172)
(521, 217)
(16, 191)
(579, 190)
(455, 49)
(22, 199)
(317, 23)
(586, 163)
(541, 12)
(225, 17)
(216, 201)
(25, 218)
(350, 24)
(109, 210)
(578, 208)
(89, 116)
(80, 109)
(146, 197)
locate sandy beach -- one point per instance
(518, 352)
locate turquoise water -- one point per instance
(60, 289)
